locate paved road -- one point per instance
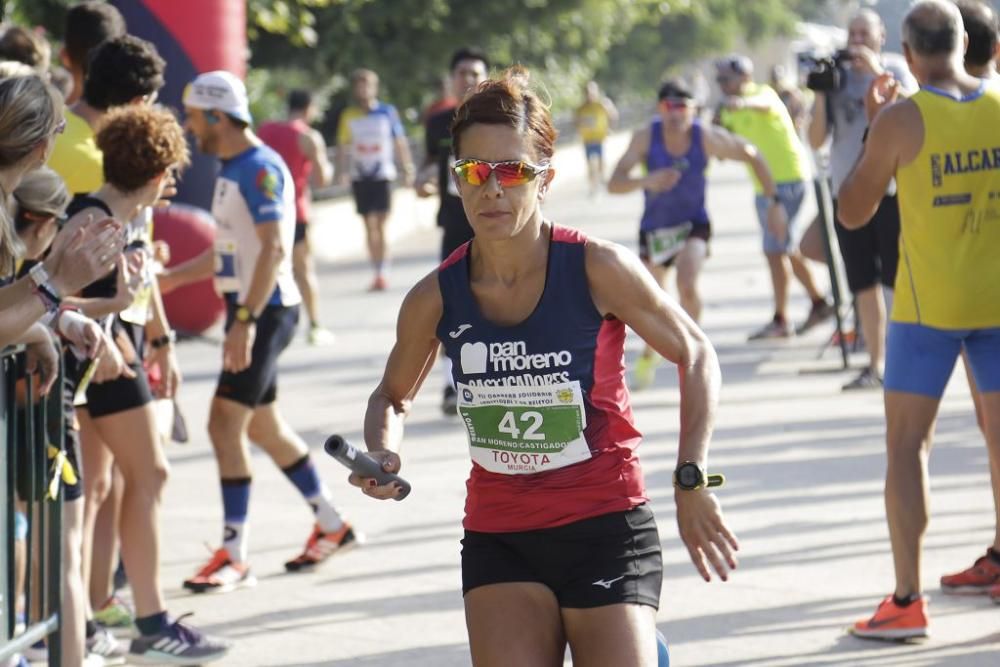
(805, 466)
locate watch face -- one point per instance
(688, 476)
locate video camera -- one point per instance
(825, 72)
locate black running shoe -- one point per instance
(178, 644)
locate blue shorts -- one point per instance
(919, 359)
(791, 195)
(20, 526)
(595, 150)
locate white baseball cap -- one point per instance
(219, 90)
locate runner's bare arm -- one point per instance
(265, 270)
(723, 144)
(865, 186)
(623, 288)
(197, 268)
(314, 148)
(410, 361)
(611, 110)
(621, 181)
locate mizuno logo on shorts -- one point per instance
(607, 584)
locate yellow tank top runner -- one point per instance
(592, 122)
(949, 205)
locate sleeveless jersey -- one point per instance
(592, 122)
(284, 138)
(949, 205)
(686, 201)
(550, 425)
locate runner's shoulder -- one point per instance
(423, 302)
(606, 259)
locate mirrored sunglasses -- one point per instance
(511, 173)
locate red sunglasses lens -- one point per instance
(513, 174)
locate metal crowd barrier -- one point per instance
(27, 429)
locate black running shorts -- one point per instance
(371, 196)
(301, 231)
(258, 383)
(609, 559)
(871, 253)
(121, 394)
(703, 232)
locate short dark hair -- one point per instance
(299, 100)
(468, 53)
(674, 88)
(982, 27)
(87, 25)
(25, 46)
(932, 28)
(122, 69)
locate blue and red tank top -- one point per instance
(545, 403)
(686, 201)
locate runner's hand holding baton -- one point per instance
(374, 472)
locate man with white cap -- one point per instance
(254, 206)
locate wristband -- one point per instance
(166, 339)
(50, 303)
(43, 283)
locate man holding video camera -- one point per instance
(870, 253)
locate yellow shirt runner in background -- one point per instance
(772, 132)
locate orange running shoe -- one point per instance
(894, 623)
(321, 546)
(221, 575)
(977, 580)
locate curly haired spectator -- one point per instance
(122, 70)
(140, 143)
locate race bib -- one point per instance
(663, 244)
(226, 269)
(525, 430)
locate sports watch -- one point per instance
(244, 315)
(690, 476)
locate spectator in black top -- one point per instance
(469, 68)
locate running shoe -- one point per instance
(980, 579)
(994, 594)
(320, 337)
(644, 371)
(104, 645)
(221, 575)
(37, 652)
(321, 546)
(776, 328)
(820, 312)
(380, 284)
(114, 614)
(178, 644)
(894, 623)
(449, 402)
(866, 379)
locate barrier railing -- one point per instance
(27, 429)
